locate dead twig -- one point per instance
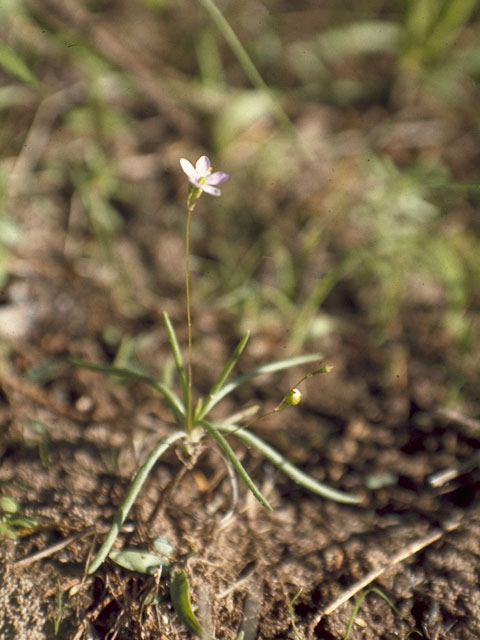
(38, 137)
(471, 425)
(408, 551)
(54, 548)
(442, 477)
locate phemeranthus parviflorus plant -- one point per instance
(193, 416)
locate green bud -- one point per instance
(293, 397)
(325, 369)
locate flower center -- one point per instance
(203, 179)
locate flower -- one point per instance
(201, 175)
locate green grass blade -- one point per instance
(170, 396)
(230, 364)
(271, 367)
(254, 76)
(301, 325)
(454, 15)
(13, 63)
(205, 408)
(177, 356)
(353, 615)
(454, 185)
(358, 604)
(287, 467)
(131, 496)
(180, 593)
(246, 62)
(298, 634)
(237, 465)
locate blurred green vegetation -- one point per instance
(348, 130)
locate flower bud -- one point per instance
(293, 397)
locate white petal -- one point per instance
(189, 169)
(202, 166)
(213, 191)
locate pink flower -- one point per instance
(201, 175)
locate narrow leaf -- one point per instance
(224, 374)
(180, 593)
(177, 356)
(287, 467)
(131, 496)
(12, 62)
(271, 367)
(237, 465)
(170, 396)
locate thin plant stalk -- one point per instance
(202, 179)
(191, 206)
(271, 367)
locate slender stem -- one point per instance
(191, 206)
